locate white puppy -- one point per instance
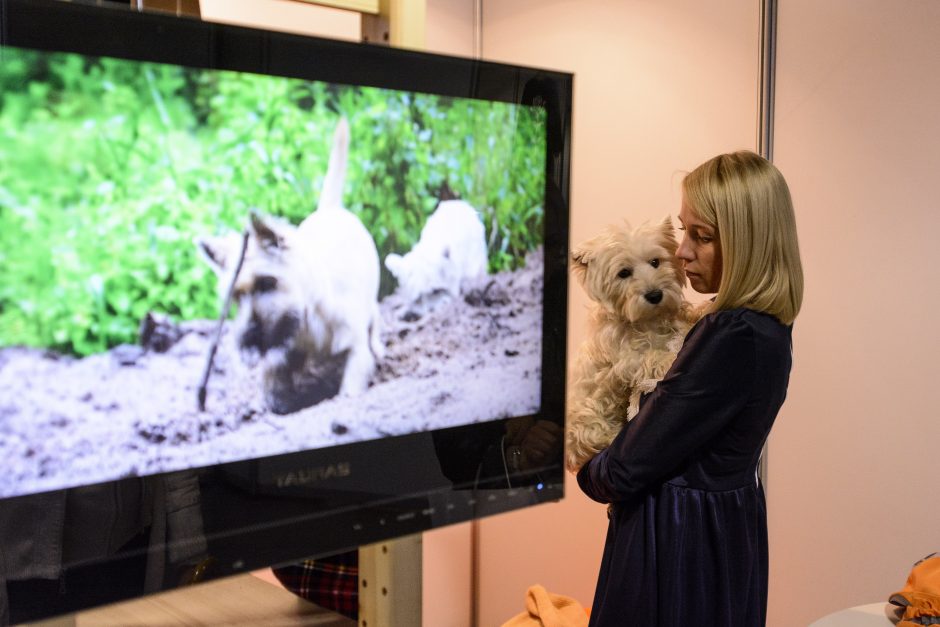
(451, 249)
(307, 296)
(639, 319)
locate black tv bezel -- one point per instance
(323, 518)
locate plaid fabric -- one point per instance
(331, 582)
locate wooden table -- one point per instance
(241, 600)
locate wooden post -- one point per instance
(407, 21)
(390, 583)
(399, 23)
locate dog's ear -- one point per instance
(581, 256)
(393, 262)
(268, 233)
(217, 251)
(671, 243)
(668, 234)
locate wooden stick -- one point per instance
(218, 332)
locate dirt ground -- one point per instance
(133, 410)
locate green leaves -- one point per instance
(110, 168)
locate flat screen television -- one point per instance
(266, 296)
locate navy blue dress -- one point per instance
(687, 540)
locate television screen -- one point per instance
(272, 296)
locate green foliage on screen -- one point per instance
(110, 168)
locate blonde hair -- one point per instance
(746, 200)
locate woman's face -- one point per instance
(699, 251)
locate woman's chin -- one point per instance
(700, 286)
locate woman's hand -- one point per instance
(541, 443)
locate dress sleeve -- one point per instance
(707, 385)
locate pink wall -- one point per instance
(853, 483)
(449, 27)
(446, 582)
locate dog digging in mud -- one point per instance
(451, 251)
(638, 320)
(307, 296)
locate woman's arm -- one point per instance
(707, 385)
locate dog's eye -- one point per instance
(654, 263)
(625, 273)
(265, 284)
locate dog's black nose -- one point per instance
(654, 297)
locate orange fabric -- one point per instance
(921, 596)
(544, 609)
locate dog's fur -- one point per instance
(451, 250)
(639, 319)
(307, 296)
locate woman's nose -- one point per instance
(685, 250)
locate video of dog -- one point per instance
(203, 266)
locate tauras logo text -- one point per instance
(306, 476)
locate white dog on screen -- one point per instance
(450, 250)
(307, 295)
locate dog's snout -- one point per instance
(251, 342)
(282, 332)
(654, 297)
(260, 337)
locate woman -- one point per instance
(687, 540)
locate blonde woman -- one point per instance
(687, 540)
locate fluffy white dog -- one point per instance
(451, 249)
(639, 319)
(307, 296)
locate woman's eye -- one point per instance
(625, 273)
(654, 263)
(705, 239)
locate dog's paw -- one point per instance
(575, 459)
